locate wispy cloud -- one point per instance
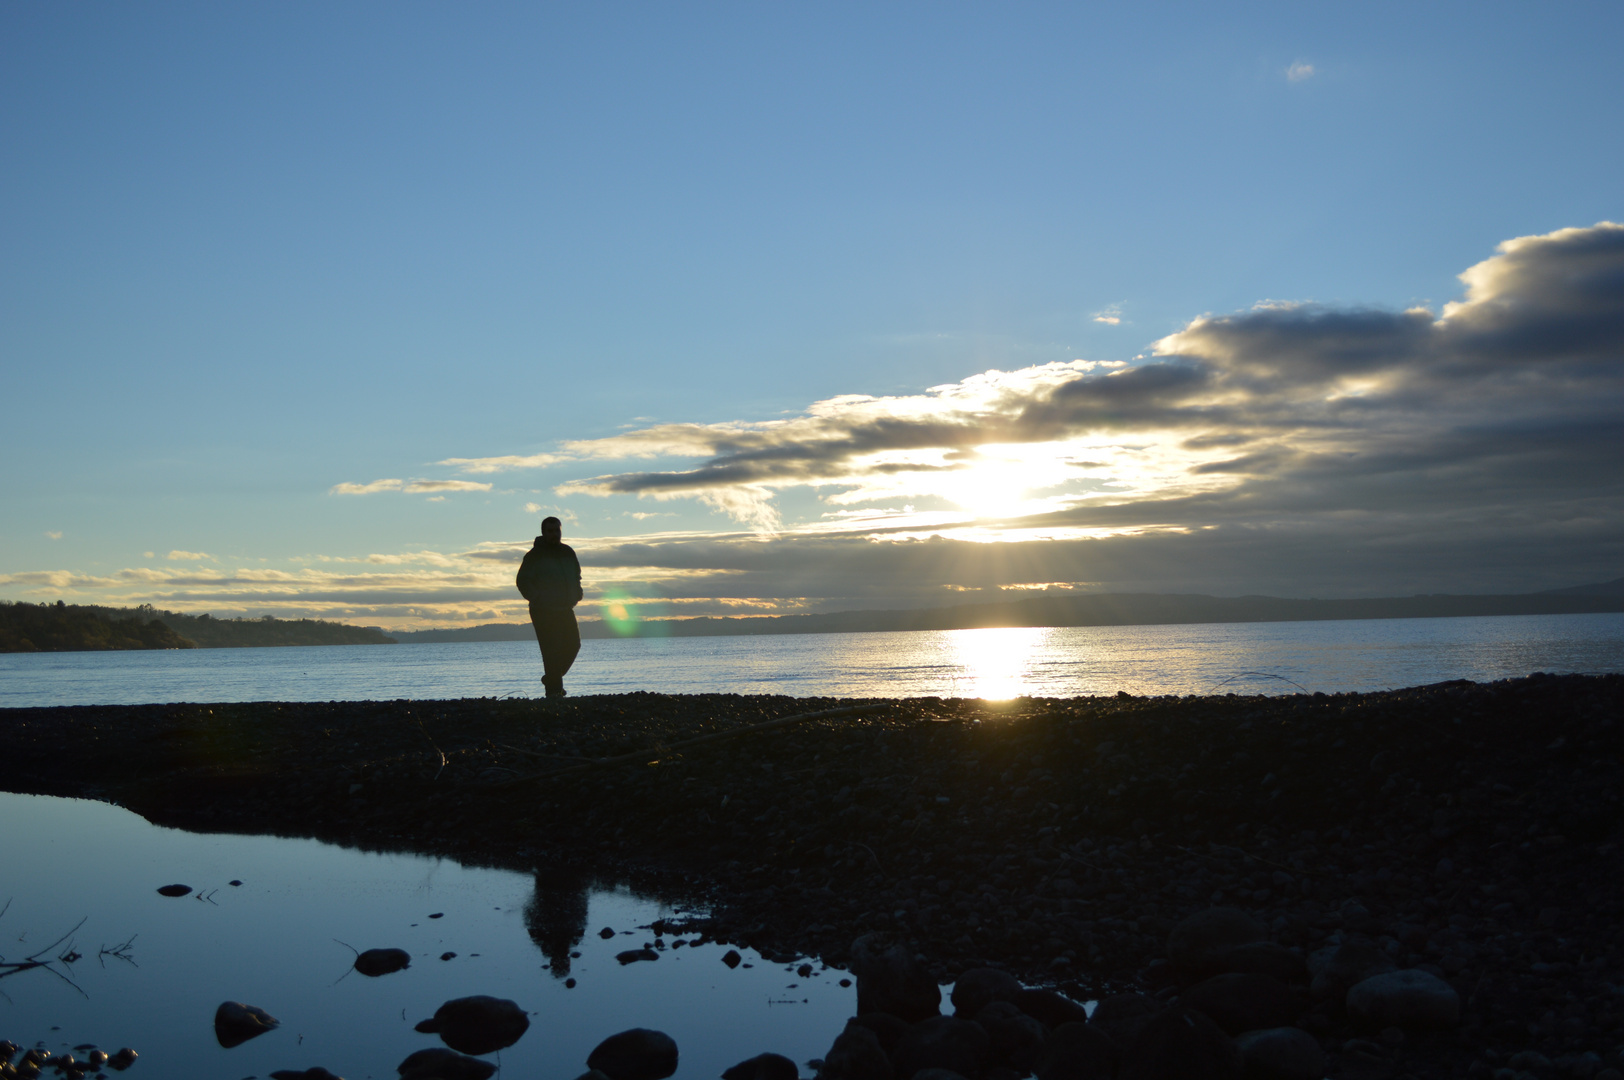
(409, 487)
(1300, 71)
(187, 556)
(1111, 316)
(502, 463)
(53, 534)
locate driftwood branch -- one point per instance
(642, 756)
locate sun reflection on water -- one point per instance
(996, 661)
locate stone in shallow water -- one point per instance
(236, 1023)
(375, 962)
(478, 1024)
(174, 890)
(317, 1073)
(979, 987)
(632, 956)
(1017, 1039)
(1409, 999)
(731, 958)
(637, 1054)
(943, 1042)
(438, 1063)
(764, 1067)
(856, 1055)
(890, 980)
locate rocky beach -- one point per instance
(1334, 869)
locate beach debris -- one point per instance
(236, 1023)
(478, 1024)
(636, 1054)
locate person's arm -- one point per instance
(580, 593)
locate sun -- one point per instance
(991, 490)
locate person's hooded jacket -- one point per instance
(550, 576)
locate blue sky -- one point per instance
(315, 309)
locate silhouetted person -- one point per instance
(550, 578)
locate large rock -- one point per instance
(1077, 1052)
(478, 1024)
(236, 1023)
(1181, 1044)
(1336, 970)
(1124, 1016)
(944, 1042)
(1240, 1003)
(637, 1054)
(856, 1055)
(889, 1029)
(1050, 1007)
(1411, 999)
(438, 1063)
(1017, 1039)
(317, 1073)
(978, 987)
(1284, 1053)
(764, 1067)
(890, 980)
(1263, 958)
(1197, 945)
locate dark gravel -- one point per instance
(1469, 829)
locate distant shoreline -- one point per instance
(1094, 609)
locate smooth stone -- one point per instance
(1181, 1044)
(938, 1074)
(764, 1067)
(636, 1054)
(478, 1024)
(978, 987)
(890, 980)
(1050, 1008)
(174, 890)
(438, 1063)
(856, 1055)
(1283, 1053)
(887, 1028)
(1240, 1003)
(592, 1074)
(1077, 1052)
(317, 1073)
(1124, 1016)
(1017, 1039)
(944, 1042)
(1264, 958)
(1198, 943)
(1337, 970)
(731, 958)
(632, 956)
(1408, 999)
(236, 1023)
(375, 962)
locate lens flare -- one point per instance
(619, 615)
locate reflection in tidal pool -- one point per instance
(274, 942)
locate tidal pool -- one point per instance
(274, 941)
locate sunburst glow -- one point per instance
(996, 661)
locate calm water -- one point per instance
(270, 942)
(1000, 663)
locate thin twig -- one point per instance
(1259, 675)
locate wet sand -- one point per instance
(1469, 829)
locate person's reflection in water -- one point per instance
(555, 915)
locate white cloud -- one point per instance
(503, 463)
(53, 534)
(1300, 71)
(187, 556)
(1111, 316)
(410, 487)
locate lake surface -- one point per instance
(274, 942)
(1373, 654)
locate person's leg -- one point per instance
(560, 641)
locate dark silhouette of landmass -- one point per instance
(63, 627)
(1089, 609)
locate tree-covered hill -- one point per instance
(63, 627)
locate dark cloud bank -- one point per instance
(1364, 452)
